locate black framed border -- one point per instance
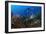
(7, 16)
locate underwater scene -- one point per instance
(25, 16)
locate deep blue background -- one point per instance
(22, 10)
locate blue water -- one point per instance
(24, 10)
